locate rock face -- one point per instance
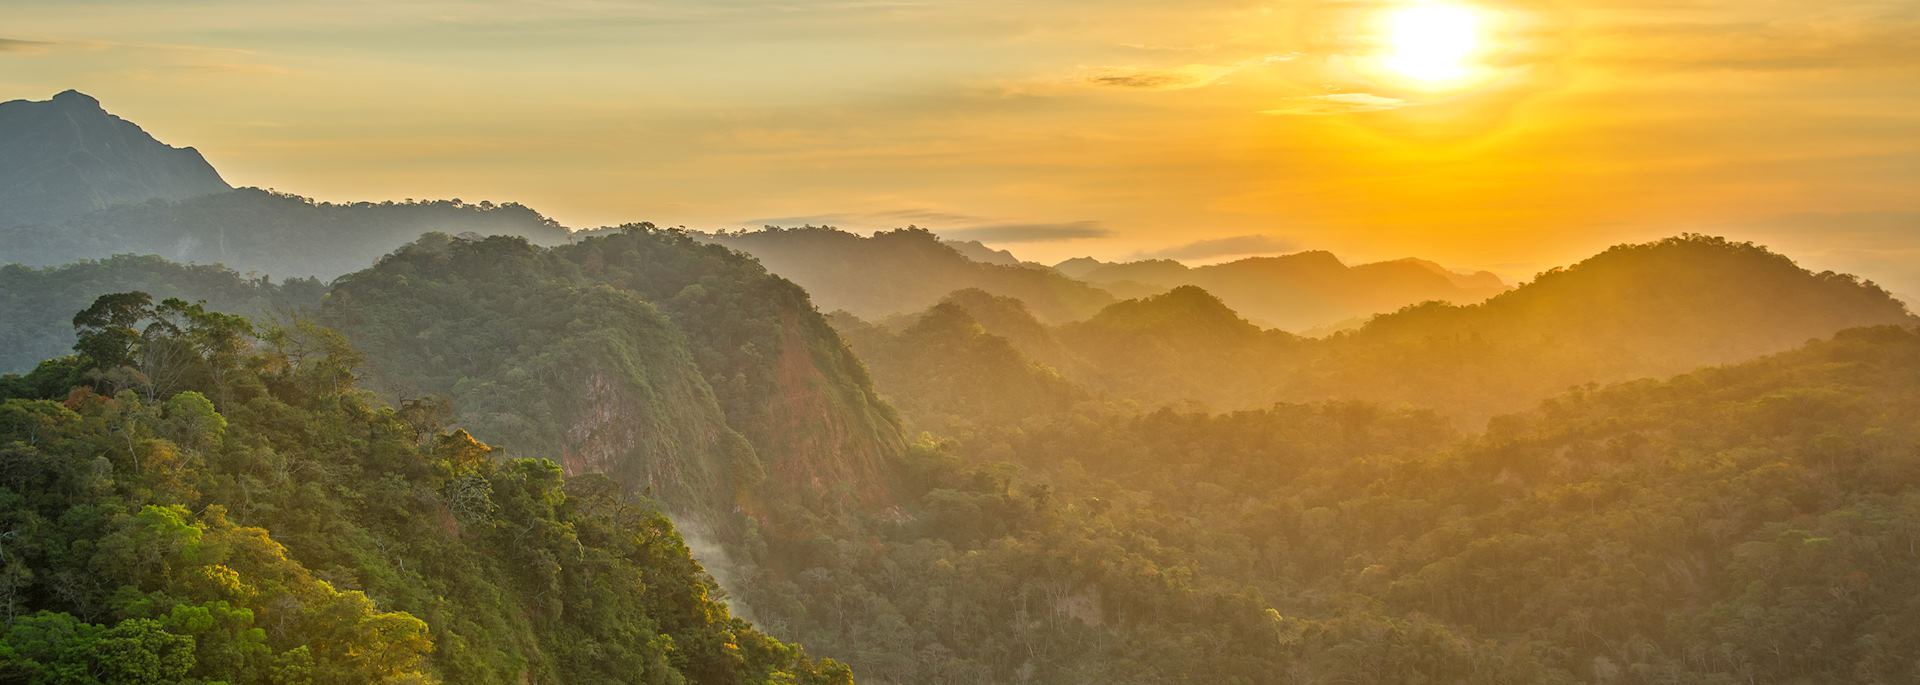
(66, 156)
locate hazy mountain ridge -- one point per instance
(261, 231)
(1634, 311)
(66, 156)
(1301, 291)
(904, 271)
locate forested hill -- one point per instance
(904, 271)
(1750, 523)
(1635, 311)
(66, 156)
(682, 369)
(191, 499)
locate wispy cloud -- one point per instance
(1222, 247)
(1030, 233)
(1172, 78)
(30, 46)
(951, 225)
(1180, 77)
(1337, 103)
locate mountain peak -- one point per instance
(75, 99)
(68, 156)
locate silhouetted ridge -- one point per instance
(1296, 292)
(67, 156)
(904, 272)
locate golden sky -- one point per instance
(1056, 128)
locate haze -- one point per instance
(1206, 130)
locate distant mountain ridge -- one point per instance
(1298, 292)
(904, 271)
(66, 156)
(78, 183)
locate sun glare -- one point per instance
(1433, 44)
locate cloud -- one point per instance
(1222, 247)
(1181, 77)
(1030, 232)
(28, 46)
(1337, 103)
(1172, 78)
(950, 225)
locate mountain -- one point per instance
(261, 231)
(682, 369)
(78, 183)
(66, 156)
(1297, 292)
(206, 501)
(903, 272)
(976, 251)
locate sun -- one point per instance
(1433, 44)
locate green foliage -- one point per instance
(135, 543)
(681, 369)
(37, 303)
(1751, 523)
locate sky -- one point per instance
(1121, 129)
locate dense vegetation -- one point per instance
(643, 354)
(254, 230)
(904, 271)
(1632, 534)
(213, 503)
(1752, 523)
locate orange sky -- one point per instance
(1118, 129)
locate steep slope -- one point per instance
(259, 522)
(66, 156)
(903, 272)
(1298, 292)
(37, 304)
(782, 375)
(535, 359)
